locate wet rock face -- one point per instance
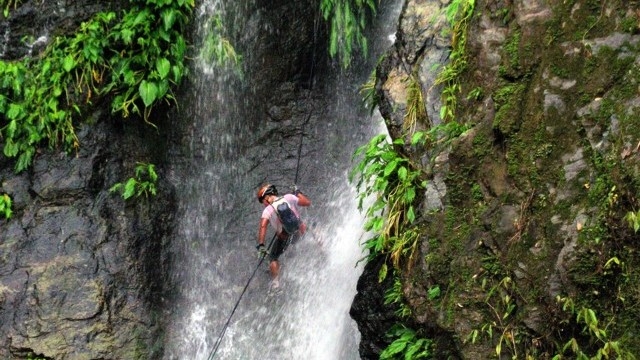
(373, 316)
(525, 169)
(31, 26)
(284, 43)
(82, 272)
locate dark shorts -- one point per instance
(279, 246)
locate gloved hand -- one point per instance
(295, 190)
(262, 251)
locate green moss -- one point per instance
(630, 24)
(508, 104)
(511, 49)
(482, 145)
(558, 71)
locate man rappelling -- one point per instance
(283, 214)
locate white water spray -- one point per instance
(217, 225)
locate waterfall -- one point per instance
(216, 171)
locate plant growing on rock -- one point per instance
(458, 14)
(5, 206)
(394, 182)
(134, 58)
(142, 183)
(217, 48)
(604, 346)
(388, 176)
(347, 20)
(406, 345)
(6, 6)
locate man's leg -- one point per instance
(274, 266)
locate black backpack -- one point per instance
(290, 222)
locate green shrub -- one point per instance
(347, 20)
(406, 345)
(5, 206)
(133, 58)
(142, 183)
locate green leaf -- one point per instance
(68, 63)
(402, 173)
(10, 148)
(129, 188)
(126, 35)
(382, 274)
(116, 187)
(411, 215)
(15, 111)
(168, 18)
(11, 128)
(417, 137)
(390, 167)
(163, 66)
(409, 195)
(433, 292)
(148, 92)
(25, 158)
(152, 173)
(5, 206)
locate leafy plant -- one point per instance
(393, 295)
(439, 135)
(5, 206)
(433, 293)
(633, 219)
(347, 20)
(501, 302)
(217, 48)
(389, 177)
(416, 111)
(368, 92)
(134, 58)
(406, 345)
(142, 183)
(6, 5)
(606, 347)
(458, 13)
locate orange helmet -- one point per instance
(264, 190)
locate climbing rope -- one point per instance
(306, 120)
(226, 325)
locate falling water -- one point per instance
(215, 174)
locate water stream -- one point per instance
(216, 174)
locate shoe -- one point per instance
(275, 284)
(274, 288)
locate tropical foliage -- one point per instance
(133, 58)
(347, 20)
(142, 183)
(389, 177)
(5, 206)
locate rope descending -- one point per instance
(226, 325)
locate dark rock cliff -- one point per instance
(526, 237)
(82, 272)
